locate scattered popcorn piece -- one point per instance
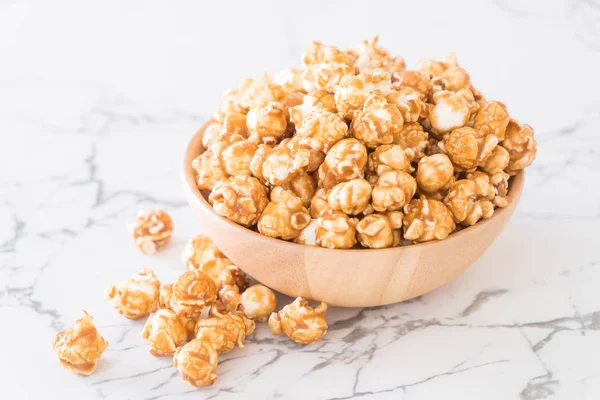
(224, 332)
(193, 291)
(137, 296)
(239, 198)
(258, 302)
(79, 348)
(427, 219)
(300, 322)
(166, 331)
(197, 362)
(151, 230)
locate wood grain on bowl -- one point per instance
(349, 278)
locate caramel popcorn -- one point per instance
(427, 219)
(166, 331)
(492, 119)
(290, 79)
(232, 281)
(279, 165)
(377, 123)
(521, 146)
(211, 133)
(453, 79)
(322, 130)
(312, 102)
(351, 197)
(468, 147)
(345, 161)
(304, 186)
(231, 104)
(409, 102)
(234, 123)
(197, 362)
(284, 216)
(308, 235)
(151, 230)
(235, 159)
(414, 80)
(389, 157)
(79, 348)
(352, 92)
(215, 267)
(267, 124)
(336, 230)
(258, 302)
(393, 190)
(315, 157)
(208, 172)
(468, 203)
(199, 250)
(380, 230)
(497, 161)
(370, 57)
(319, 203)
(193, 291)
(434, 174)
(412, 136)
(300, 322)
(452, 110)
(165, 297)
(259, 93)
(137, 296)
(325, 68)
(224, 332)
(240, 199)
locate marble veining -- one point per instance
(97, 102)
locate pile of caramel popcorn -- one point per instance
(209, 310)
(355, 150)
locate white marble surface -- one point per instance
(97, 100)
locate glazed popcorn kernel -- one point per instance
(258, 302)
(521, 146)
(413, 136)
(208, 173)
(308, 235)
(466, 203)
(239, 198)
(492, 119)
(290, 79)
(499, 182)
(165, 297)
(378, 231)
(79, 348)
(279, 165)
(137, 296)
(231, 104)
(151, 230)
(370, 57)
(322, 130)
(452, 110)
(267, 124)
(435, 173)
(284, 216)
(193, 291)
(297, 143)
(393, 190)
(319, 203)
(409, 102)
(377, 123)
(336, 230)
(351, 197)
(304, 186)
(234, 123)
(468, 147)
(351, 93)
(427, 219)
(215, 267)
(199, 250)
(259, 93)
(346, 160)
(300, 322)
(330, 67)
(166, 331)
(197, 362)
(234, 276)
(413, 80)
(389, 157)
(453, 79)
(224, 332)
(211, 133)
(311, 102)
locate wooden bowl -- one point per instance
(348, 278)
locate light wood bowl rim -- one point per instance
(194, 148)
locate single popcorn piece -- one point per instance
(267, 124)
(322, 130)
(351, 197)
(319, 203)
(258, 302)
(312, 102)
(241, 199)
(166, 331)
(345, 161)
(427, 219)
(492, 119)
(412, 136)
(165, 297)
(304, 186)
(224, 332)
(393, 190)
(233, 275)
(300, 322)
(452, 110)
(259, 93)
(284, 217)
(467, 147)
(279, 165)
(308, 236)
(235, 160)
(234, 123)
(231, 104)
(521, 145)
(336, 230)
(214, 268)
(290, 79)
(499, 183)
(137, 296)
(370, 57)
(211, 133)
(352, 92)
(414, 80)
(454, 78)
(315, 158)
(380, 230)
(377, 123)
(468, 202)
(389, 157)
(193, 291)
(79, 348)
(151, 230)
(435, 174)
(325, 67)
(197, 362)
(409, 102)
(208, 172)
(199, 250)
